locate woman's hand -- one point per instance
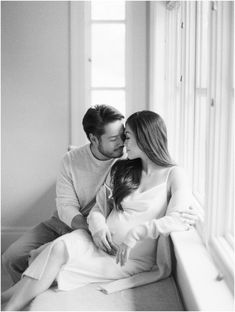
(191, 216)
(103, 240)
(123, 253)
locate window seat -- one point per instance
(158, 296)
(196, 275)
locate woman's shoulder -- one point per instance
(176, 171)
(177, 178)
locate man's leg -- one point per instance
(15, 258)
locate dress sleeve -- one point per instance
(67, 202)
(180, 200)
(97, 217)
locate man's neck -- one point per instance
(97, 153)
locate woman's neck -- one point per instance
(149, 167)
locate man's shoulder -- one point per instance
(78, 150)
(75, 152)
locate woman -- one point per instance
(143, 199)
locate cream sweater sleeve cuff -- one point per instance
(67, 214)
(96, 221)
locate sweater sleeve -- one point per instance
(97, 217)
(180, 200)
(67, 202)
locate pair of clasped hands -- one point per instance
(103, 238)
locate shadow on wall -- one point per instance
(36, 212)
(40, 210)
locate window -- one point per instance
(108, 37)
(220, 200)
(107, 58)
(198, 108)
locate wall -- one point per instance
(35, 108)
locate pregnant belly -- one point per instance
(119, 225)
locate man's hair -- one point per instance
(97, 117)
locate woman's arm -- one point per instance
(179, 202)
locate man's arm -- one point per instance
(67, 202)
(97, 219)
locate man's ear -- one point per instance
(93, 139)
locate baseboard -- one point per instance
(10, 234)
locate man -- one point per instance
(82, 172)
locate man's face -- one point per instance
(111, 143)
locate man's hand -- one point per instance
(79, 222)
(103, 240)
(192, 215)
(123, 254)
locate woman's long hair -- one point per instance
(151, 137)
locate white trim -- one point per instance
(101, 21)
(157, 76)
(136, 56)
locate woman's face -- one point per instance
(132, 148)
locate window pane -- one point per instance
(204, 43)
(108, 55)
(108, 10)
(200, 110)
(109, 97)
(200, 147)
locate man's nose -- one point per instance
(121, 141)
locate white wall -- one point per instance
(35, 108)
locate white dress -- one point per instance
(87, 264)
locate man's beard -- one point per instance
(115, 154)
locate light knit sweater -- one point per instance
(79, 179)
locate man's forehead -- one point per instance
(114, 128)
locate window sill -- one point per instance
(197, 275)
